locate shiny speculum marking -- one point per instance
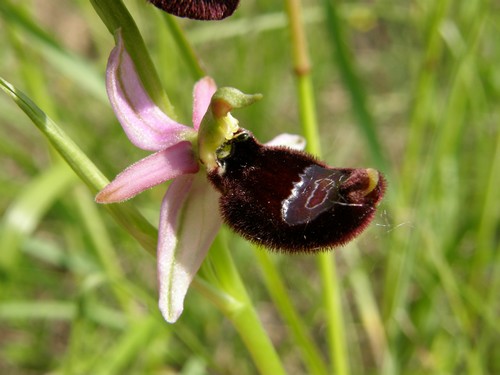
(316, 192)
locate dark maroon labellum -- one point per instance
(286, 200)
(205, 10)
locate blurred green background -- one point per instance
(419, 289)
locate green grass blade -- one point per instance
(353, 84)
(67, 63)
(27, 210)
(127, 216)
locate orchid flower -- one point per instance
(189, 214)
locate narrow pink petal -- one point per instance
(294, 141)
(150, 171)
(145, 124)
(189, 221)
(202, 94)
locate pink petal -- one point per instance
(189, 221)
(148, 172)
(145, 124)
(294, 141)
(202, 95)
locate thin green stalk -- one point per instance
(334, 314)
(307, 113)
(326, 261)
(302, 68)
(310, 352)
(221, 271)
(247, 323)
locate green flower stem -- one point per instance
(115, 16)
(221, 271)
(333, 306)
(307, 113)
(310, 352)
(302, 68)
(326, 261)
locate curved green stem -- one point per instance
(310, 352)
(221, 272)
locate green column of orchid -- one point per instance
(218, 126)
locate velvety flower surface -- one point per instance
(205, 10)
(189, 214)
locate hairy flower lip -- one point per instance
(203, 10)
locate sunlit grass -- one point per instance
(419, 290)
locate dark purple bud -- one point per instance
(288, 201)
(205, 10)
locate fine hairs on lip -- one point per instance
(288, 201)
(204, 10)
